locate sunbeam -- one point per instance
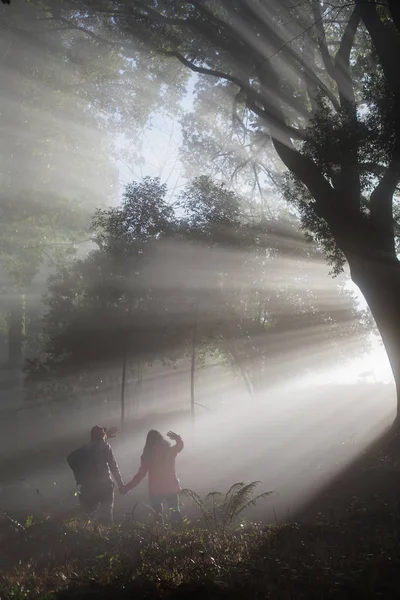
(199, 243)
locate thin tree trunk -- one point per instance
(192, 371)
(124, 365)
(138, 388)
(16, 326)
(123, 385)
(243, 371)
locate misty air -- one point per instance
(200, 292)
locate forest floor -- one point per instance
(344, 545)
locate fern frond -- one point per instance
(199, 503)
(213, 496)
(226, 508)
(252, 502)
(228, 500)
(240, 495)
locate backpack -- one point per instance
(84, 463)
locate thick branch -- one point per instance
(249, 14)
(338, 69)
(386, 42)
(372, 167)
(319, 26)
(381, 205)
(313, 79)
(394, 7)
(305, 170)
(311, 91)
(342, 59)
(275, 122)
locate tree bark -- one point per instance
(193, 369)
(123, 386)
(380, 284)
(245, 376)
(16, 331)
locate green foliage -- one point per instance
(143, 215)
(315, 228)
(29, 521)
(113, 301)
(210, 211)
(221, 511)
(157, 270)
(333, 138)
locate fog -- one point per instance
(294, 438)
(68, 147)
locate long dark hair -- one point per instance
(154, 438)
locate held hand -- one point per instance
(112, 432)
(123, 490)
(172, 435)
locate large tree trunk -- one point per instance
(380, 284)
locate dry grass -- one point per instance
(358, 557)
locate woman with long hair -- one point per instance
(158, 461)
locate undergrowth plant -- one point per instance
(222, 511)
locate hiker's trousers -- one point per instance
(98, 496)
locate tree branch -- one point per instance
(305, 170)
(281, 46)
(252, 96)
(338, 69)
(381, 205)
(394, 7)
(87, 32)
(386, 42)
(342, 59)
(350, 179)
(319, 26)
(202, 70)
(372, 167)
(152, 16)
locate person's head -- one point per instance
(97, 434)
(154, 438)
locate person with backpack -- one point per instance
(158, 461)
(93, 466)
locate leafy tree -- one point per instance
(49, 123)
(132, 286)
(303, 70)
(73, 91)
(157, 272)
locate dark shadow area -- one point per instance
(370, 478)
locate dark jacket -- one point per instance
(104, 464)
